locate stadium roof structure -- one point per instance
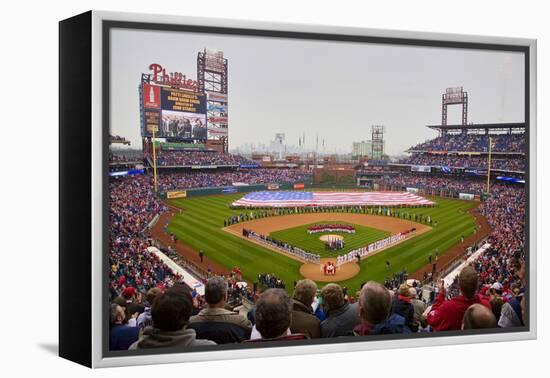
(118, 140)
(509, 126)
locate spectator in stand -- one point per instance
(341, 316)
(511, 314)
(447, 315)
(216, 323)
(145, 319)
(402, 305)
(375, 303)
(303, 320)
(478, 316)
(419, 321)
(129, 295)
(496, 303)
(121, 336)
(272, 314)
(170, 312)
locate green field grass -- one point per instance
(299, 237)
(200, 226)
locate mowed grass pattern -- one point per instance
(299, 237)
(200, 226)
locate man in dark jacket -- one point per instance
(402, 306)
(374, 309)
(341, 316)
(216, 323)
(170, 312)
(121, 335)
(303, 320)
(447, 314)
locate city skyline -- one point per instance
(335, 90)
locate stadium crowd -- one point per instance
(187, 180)
(465, 162)
(428, 182)
(474, 143)
(132, 206)
(172, 317)
(188, 158)
(152, 308)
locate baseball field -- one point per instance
(200, 226)
(299, 237)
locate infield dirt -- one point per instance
(265, 226)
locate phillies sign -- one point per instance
(172, 79)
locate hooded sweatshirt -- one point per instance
(155, 338)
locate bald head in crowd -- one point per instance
(374, 302)
(477, 317)
(467, 280)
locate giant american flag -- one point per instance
(298, 199)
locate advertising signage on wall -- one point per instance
(219, 97)
(151, 96)
(152, 121)
(217, 131)
(420, 168)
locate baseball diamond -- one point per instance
(200, 226)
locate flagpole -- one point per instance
(489, 164)
(154, 162)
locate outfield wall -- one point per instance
(444, 193)
(187, 193)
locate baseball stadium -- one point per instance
(308, 230)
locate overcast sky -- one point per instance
(335, 90)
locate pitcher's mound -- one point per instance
(330, 237)
(315, 271)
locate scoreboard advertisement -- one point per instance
(173, 113)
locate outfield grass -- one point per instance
(299, 237)
(200, 226)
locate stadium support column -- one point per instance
(489, 164)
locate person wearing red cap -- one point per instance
(129, 293)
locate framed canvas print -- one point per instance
(236, 189)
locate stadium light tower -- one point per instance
(454, 96)
(212, 80)
(377, 141)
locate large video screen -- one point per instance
(173, 113)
